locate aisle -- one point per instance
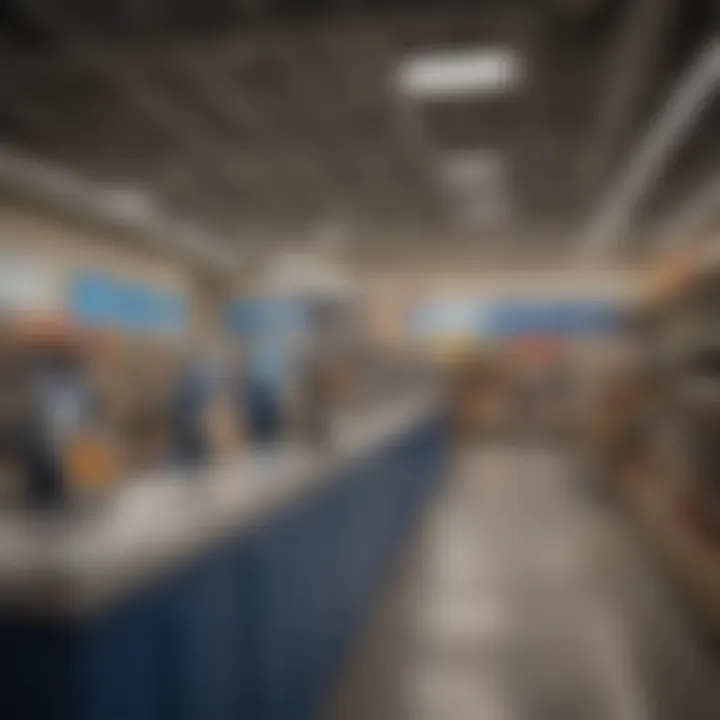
(523, 599)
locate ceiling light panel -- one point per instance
(460, 73)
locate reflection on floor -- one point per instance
(527, 599)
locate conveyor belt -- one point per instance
(527, 599)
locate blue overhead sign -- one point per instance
(255, 317)
(105, 301)
(564, 318)
(509, 318)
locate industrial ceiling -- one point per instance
(257, 122)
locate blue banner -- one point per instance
(102, 300)
(560, 318)
(509, 318)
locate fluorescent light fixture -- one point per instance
(472, 168)
(459, 73)
(476, 187)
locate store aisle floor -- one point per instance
(523, 598)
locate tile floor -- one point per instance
(524, 597)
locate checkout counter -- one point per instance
(231, 596)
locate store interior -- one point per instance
(358, 360)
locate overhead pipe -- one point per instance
(632, 61)
(116, 207)
(690, 97)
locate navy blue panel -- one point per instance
(254, 629)
(36, 667)
(206, 642)
(118, 663)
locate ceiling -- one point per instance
(261, 121)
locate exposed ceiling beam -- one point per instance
(115, 208)
(669, 130)
(631, 69)
(146, 96)
(61, 134)
(314, 111)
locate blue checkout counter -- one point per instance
(232, 597)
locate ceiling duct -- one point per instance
(121, 208)
(476, 187)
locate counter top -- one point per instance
(75, 563)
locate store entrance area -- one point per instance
(525, 597)
(360, 360)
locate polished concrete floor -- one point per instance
(524, 597)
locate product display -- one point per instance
(658, 427)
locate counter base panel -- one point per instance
(255, 628)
